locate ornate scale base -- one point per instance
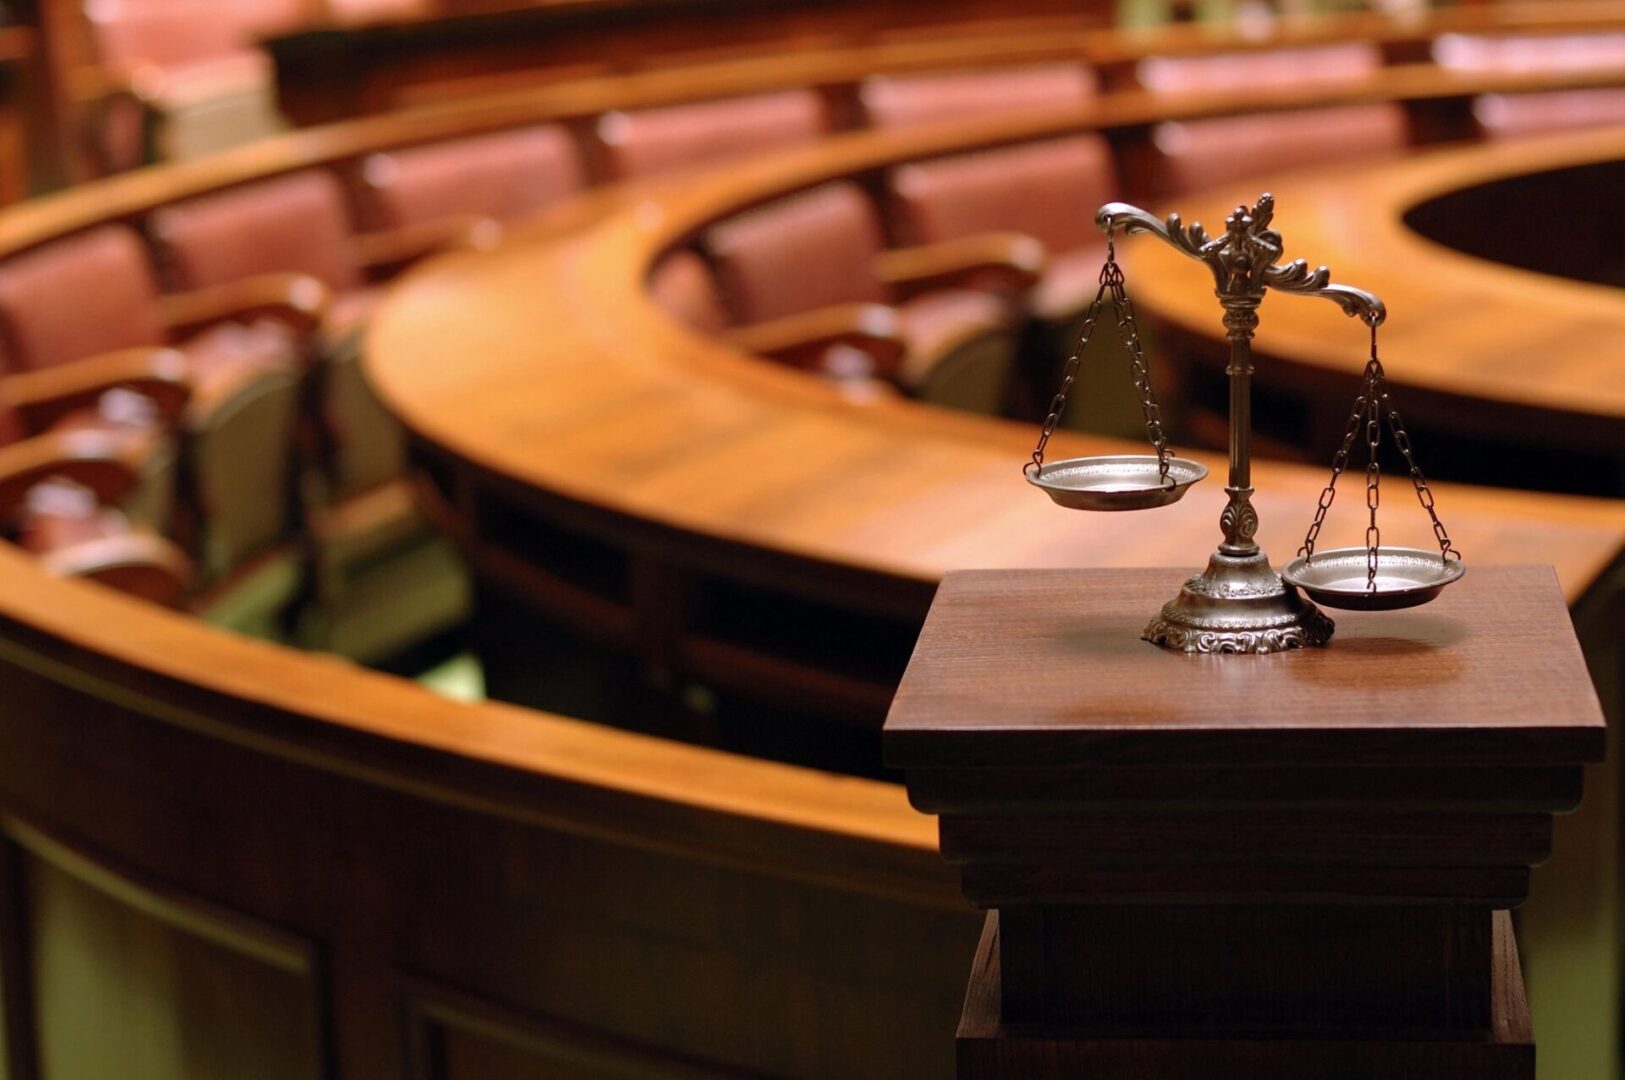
(1238, 605)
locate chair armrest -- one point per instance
(297, 300)
(385, 253)
(801, 340)
(1010, 262)
(360, 529)
(42, 397)
(140, 563)
(105, 464)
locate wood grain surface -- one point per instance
(583, 391)
(1472, 332)
(1018, 667)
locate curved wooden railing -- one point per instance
(1525, 359)
(697, 453)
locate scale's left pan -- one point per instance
(1116, 481)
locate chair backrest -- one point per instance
(262, 18)
(1319, 65)
(645, 141)
(1197, 154)
(1049, 190)
(890, 101)
(297, 223)
(683, 286)
(164, 33)
(1512, 53)
(807, 251)
(1507, 116)
(364, 10)
(502, 175)
(241, 426)
(44, 293)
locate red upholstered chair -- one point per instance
(66, 461)
(1512, 53)
(1048, 190)
(191, 71)
(262, 18)
(641, 142)
(1508, 116)
(365, 10)
(889, 101)
(498, 176)
(122, 336)
(811, 283)
(300, 223)
(1198, 154)
(44, 323)
(294, 224)
(65, 525)
(1321, 65)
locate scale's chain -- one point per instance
(1373, 469)
(1111, 282)
(1129, 331)
(1424, 494)
(1057, 404)
(1340, 462)
(1369, 407)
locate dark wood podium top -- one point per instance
(1046, 668)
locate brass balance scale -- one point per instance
(1239, 604)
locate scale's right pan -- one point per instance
(1406, 577)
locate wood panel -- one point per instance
(455, 1037)
(645, 900)
(134, 982)
(986, 1048)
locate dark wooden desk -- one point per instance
(1260, 867)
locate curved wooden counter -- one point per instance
(583, 393)
(1471, 346)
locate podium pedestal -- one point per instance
(1253, 866)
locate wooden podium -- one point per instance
(1200, 867)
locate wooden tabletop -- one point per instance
(1025, 667)
(1457, 325)
(543, 365)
